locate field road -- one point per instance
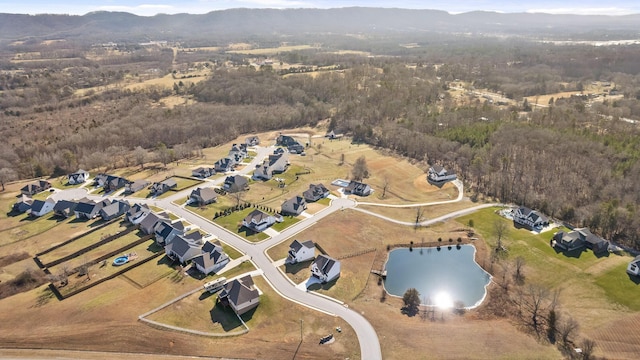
(367, 337)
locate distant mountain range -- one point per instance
(246, 22)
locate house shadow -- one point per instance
(634, 279)
(320, 286)
(225, 316)
(97, 223)
(165, 260)
(439, 184)
(297, 267)
(575, 253)
(246, 232)
(205, 295)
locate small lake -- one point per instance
(441, 276)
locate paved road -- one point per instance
(438, 219)
(367, 337)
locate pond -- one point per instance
(442, 276)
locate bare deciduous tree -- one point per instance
(519, 274)
(140, 156)
(499, 228)
(238, 196)
(385, 185)
(567, 328)
(587, 346)
(6, 175)
(360, 170)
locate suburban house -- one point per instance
(634, 266)
(42, 207)
(184, 247)
(162, 187)
(212, 259)
(252, 141)
(358, 188)
(240, 294)
(110, 182)
(165, 231)
(35, 187)
(235, 183)
(88, 209)
(115, 209)
(439, 174)
(325, 268)
(137, 213)
(290, 143)
(78, 177)
(203, 172)
(578, 239)
(277, 163)
(224, 165)
(135, 186)
(151, 220)
(301, 251)
(238, 151)
(259, 221)
(529, 219)
(23, 204)
(203, 196)
(64, 208)
(315, 192)
(294, 206)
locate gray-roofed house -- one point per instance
(203, 196)
(78, 177)
(294, 206)
(35, 187)
(224, 165)
(113, 183)
(87, 209)
(64, 208)
(235, 183)
(580, 238)
(137, 213)
(315, 192)
(240, 294)
(325, 268)
(212, 258)
(252, 141)
(135, 186)
(113, 210)
(439, 174)
(358, 188)
(163, 186)
(166, 231)
(530, 219)
(300, 251)
(23, 204)
(183, 248)
(149, 223)
(274, 164)
(40, 207)
(238, 151)
(203, 172)
(258, 221)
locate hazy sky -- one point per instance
(152, 7)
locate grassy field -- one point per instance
(409, 213)
(27, 227)
(596, 291)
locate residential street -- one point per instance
(367, 337)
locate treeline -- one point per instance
(572, 161)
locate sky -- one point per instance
(153, 7)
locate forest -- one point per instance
(574, 158)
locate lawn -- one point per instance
(27, 227)
(288, 221)
(150, 272)
(233, 223)
(409, 213)
(84, 241)
(620, 287)
(208, 211)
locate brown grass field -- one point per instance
(104, 318)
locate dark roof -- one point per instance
(205, 193)
(297, 202)
(211, 255)
(148, 224)
(256, 216)
(64, 205)
(297, 245)
(137, 208)
(324, 263)
(85, 206)
(240, 290)
(180, 245)
(39, 204)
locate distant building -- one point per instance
(439, 174)
(530, 219)
(358, 188)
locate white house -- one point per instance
(439, 174)
(212, 259)
(40, 207)
(530, 219)
(240, 294)
(301, 251)
(634, 267)
(78, 177)
(258, 221)
(294, 206)
(325, 268)
(166, 231)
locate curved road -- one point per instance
(367, 337)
